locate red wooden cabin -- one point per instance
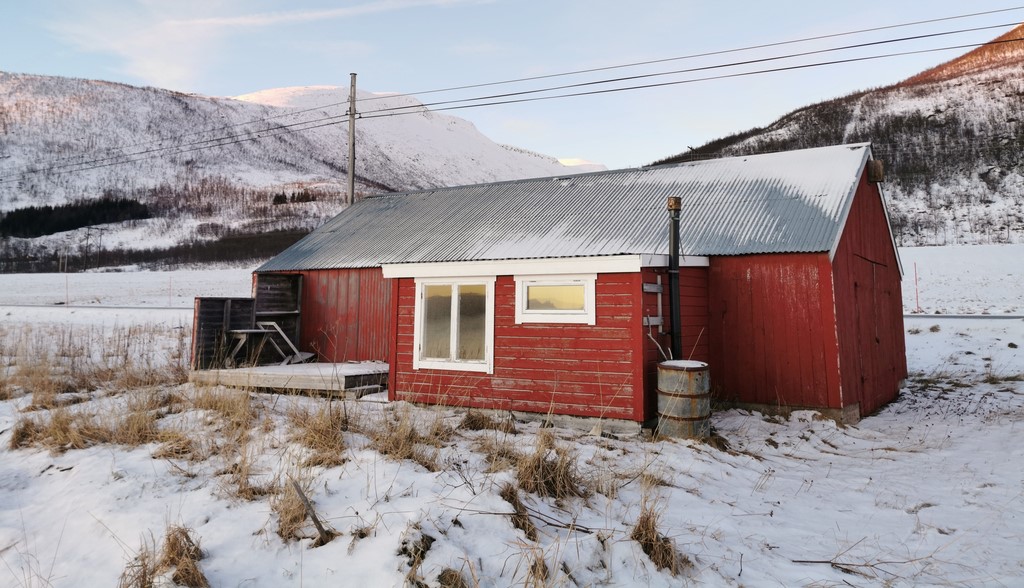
(546, 295)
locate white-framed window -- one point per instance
(567, 298)
(454, 324)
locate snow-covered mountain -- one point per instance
(207, 167)
(402, 145)
(71, 137)
(951, 138)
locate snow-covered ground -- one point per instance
(927, 492)
(964, 279)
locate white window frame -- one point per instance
(487, 364)
(587, 316)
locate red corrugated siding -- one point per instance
(773, 330)
(346, 314)
(869, 306)
(582, 370)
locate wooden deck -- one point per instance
(335, 379)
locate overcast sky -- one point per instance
(232, 47)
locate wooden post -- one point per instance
(351, 142)
(325, 535)
(917, 293)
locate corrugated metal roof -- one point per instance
(794, 201)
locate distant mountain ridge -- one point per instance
(206, 167)
(1003, 51)
(950, 137)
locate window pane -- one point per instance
(472, 312)
(560, 297)
(437, 321)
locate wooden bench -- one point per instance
(263, 334)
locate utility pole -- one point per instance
(88, 233)
(351, 142)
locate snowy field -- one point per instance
(930, 491)
(964, 279)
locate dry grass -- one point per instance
(26, 432)
(179, 554)
(520, 518)
(477, 421)
(992, 377)
(62, 429)
(141, 571)
(550, 470)
(537, 575)
(451, 578)
(397, 436)
(46, 388)
(241, 474)
(136, 428)
(232, 418)
(233, 406)
(49, 362)
(321, 431)
(499, 454)
(290, 511)
(182, 554)
(415, 551)
(177, 444)
(652, 480)
(659, 548)
(439, 431)
(7, 391)
(61, 366)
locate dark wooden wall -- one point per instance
(212, 318)
(278, 299)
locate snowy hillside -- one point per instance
(53, 128)
(404, 145)
(207, 167)
(951, 140)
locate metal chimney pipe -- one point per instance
(675, 204)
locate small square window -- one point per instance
(556, 299)
(560, 297)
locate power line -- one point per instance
(711, 53)
(179, 149)
(328, 121)
(702, 68)
(724, 76)
(397, 111)
(247, 136)
(550, 76)
(170, 138)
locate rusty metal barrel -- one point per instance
(684, 399)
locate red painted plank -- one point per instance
(346, 314)
(869, 305)
(581, 369)
(762, 338)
